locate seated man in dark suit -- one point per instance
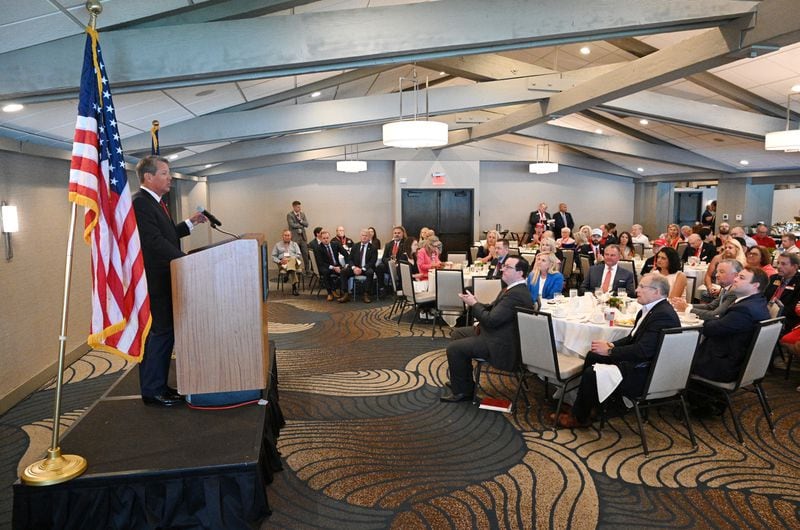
(496, 265)
(391, 253)
(363, 257)
(315, 243)
(493, 338)
(727, 338)
(727, 270)
(609, 276)
(784, 289)
(331, 256)
(593, 249)
(697, 248)
(631, 354)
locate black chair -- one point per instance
(417, 303)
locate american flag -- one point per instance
(98, 181)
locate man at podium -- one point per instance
(159, 237)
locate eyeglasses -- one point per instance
(643, 286)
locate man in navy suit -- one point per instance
(363, 257)
(609, 276)
(160, 244)
(562, 219)
(727, 338)
(631, 354)
(331, 257)
(697, 248)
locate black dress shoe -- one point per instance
(163, 400)
(172, 393)
(294, 290)
(448, 397)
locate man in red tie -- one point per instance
(159, 237)
(702, 251)
(784, 289)
(608, 276)
(391, 251)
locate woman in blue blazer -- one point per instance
(545, 281)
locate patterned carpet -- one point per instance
(368, 444)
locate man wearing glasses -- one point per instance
(493, 338)
(631, 354)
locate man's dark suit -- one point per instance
(623, 279)
(632, 354)
(495, 342)
(588, 249)
(370, 260)
(160, 244)
(715, 307)
(334, 249)
(707, 253)
(382, 268)
(495, 272)
(790, 297)
(727, 339)
(314, 245)
(539, 217)
(559, 222)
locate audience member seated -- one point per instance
(727, 270)
(762, 236)
(315, 243)
(286, 253)
(760, 257)
(363, 258)
(343, 240)
(626, 246)
(723, 235)
(609, 236)
(608, 276)
(493, 336)
(739, 233)
(593, 248)
(373, 238)
(545, 281)
(549, 245)
(673, 235)
(391, 252)
(428, 257)
(537, 235)
(668, 264)
(732, 249)
(631, 354)
(638, 237)
(727, 338)
(409, 255)
(791, 341)
(686, 231)
(586, 232)
(788, 246)
(332, 255)
(486, 252)
(700, 250)
(496, 265)
(566, 241)
(784, 289)
(658, 244)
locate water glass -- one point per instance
(573, 293)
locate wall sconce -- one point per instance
(8, 216)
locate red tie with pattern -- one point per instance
(394, 248)
(166, 210)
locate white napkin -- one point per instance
(608, 379)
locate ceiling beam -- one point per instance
(623, 128)
(622, 146)
(696, 114)
(486, 67)
(709, 81)
(273, 121)
(152, 58)
(708, 49)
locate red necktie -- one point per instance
(394, 248)
(778, 292)
(166, 210)
(698, 252)
(606, 280)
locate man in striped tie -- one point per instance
(160, 244)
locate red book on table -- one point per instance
(498, 404)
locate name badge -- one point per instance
(789, 287)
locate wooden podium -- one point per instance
(221, 318)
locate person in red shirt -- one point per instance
(762, 236)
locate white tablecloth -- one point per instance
(575, 332)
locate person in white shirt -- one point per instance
(638, 237)
(286, 253)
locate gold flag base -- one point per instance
(54, 469)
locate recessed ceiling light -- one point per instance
(13, 107)
(208, 165)
(744, 162)
(643, 121)
(796, 88)
(586, 50)
(172, 157)
(640, 169)
(316, 94)
(442, 73)
(598, 131)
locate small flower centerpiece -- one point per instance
(616, 303)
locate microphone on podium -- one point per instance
(211, 219)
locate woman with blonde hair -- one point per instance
(673, 235)
(486, 252)
(428, 256)
(549, 245)
(545, 281)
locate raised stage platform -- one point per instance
(152, 467)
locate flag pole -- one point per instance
(56, 468)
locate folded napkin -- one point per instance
(608, 379)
